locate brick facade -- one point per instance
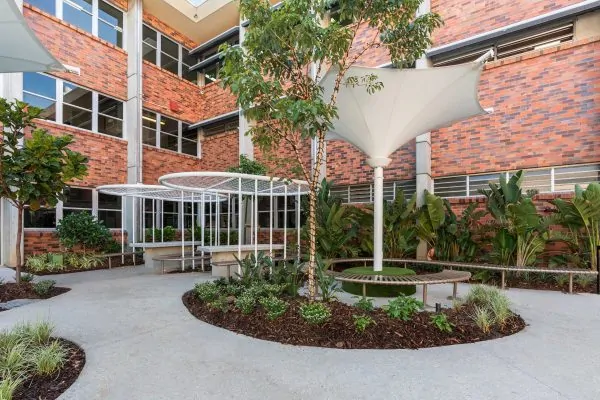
(103, 65)
(221, 151)
(282, 161)
(465, 18)
(156, 23)
(158, 162)
(546, 112)
(46, 241)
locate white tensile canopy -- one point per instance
(411, 102)
(20, 49)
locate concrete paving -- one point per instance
(141, 343)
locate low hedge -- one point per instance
(380, 290)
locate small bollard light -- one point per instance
(438, 307)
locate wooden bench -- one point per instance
(503, 269)
(109, 256)
(182, 258)
(446, 276)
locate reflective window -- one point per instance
(110, 116)
(149, 44)
(149, 127)
(77, 106)
(45, 5)
(43, 218)
(170, 57)
(40, 91)
(109, 210)
(78, 13)
(110, 24)
(169, 133)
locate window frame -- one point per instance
(180, 128)
(159, 54)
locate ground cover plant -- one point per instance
(60, 263)
(261, 305)
(29, 290)
(36, 365)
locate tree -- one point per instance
(287, 49)
(34, 171)
(248, 166)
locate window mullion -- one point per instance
(180, 61)
(158, 116)
(95, 203)
(59, 211)
(94, 112)
(158, 48)
(95, 15)
(59, 15)
(59, 101)
(179, 136)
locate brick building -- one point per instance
(147, 101)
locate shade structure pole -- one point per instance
(240, 222)
(378, 220)
(256, 221)
(271, 221)
(228, 218)
(182, 224)
(193, 229)
(202, 220)
(285, 193)
(144, 220)
(162, 220)
(153, 220)
(123, 208)
(298, 222)
(218, 222)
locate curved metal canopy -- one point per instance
(158, 192)
(233, 183)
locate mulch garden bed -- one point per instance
(339, 331)
(543, 285)
(24, 290)
(51, 387)
(116, 263)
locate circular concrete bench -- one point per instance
(446, 276)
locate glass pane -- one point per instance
(107, 201)
(110, 14)
(46, 5)
(39, 84)
(170, 207)
(211, 74)
(43, 218)
(78, 96)
(110, 126)
(169, 63)
(149, 136)
(108, 106)
(80, 16)
(187, 133)
(186, 58)
(169, 47)
(189, 147)
(78, 198)
(169, 126)
(149, 119)
(48, 106)
(188, 75)
(112, 219)
(110, 34)
(149, 53)
(77, 117)
(168, 142)
(149, 36)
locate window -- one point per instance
(109, 210)
(171, 133)
(510, 45)
(170, 214)
(222, 126)
(77, 200)
(543, 180)
(211, 58)
(110, 24)
(42, 218)
(363, 193)
(40, 91)
(169, 55)
(76, 106)
(97, 17)
(279, 212)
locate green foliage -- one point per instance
(112, 246)
(14, 361)
(47, 360)
(209, 235)
(441, 322)
(289, 275)
(254, 268)
(403, 307)
(83, 229)
(581, 215)
(585, 280)
(8, 386)
(274, 307)
(362, 322)
(248, 166)
(28, 278)
(206, 291)
(34, 171)
(364, 304)
(220, 303)
(315, 313)
(491, 306)
(431, 218)
(43, 288)
(483, 318)
(166, 234)
(326, 283)
(561, 280)
(400, 227)
(246, 303)
(38, 333)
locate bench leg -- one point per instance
(454, 290)
(109, 263)
(364, 291)
(570, 283)
(503, 284)
(424, 295)
(163, 266)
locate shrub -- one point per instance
(8, 386)
(441, 322)
(561, 280)
(254, 269)
(584, 280)
(403, 307)
(246, 303)
(220, 303)
(362, 322)
(43, 288)
(37, 334)
(83, 229)
(273, 306)
(46, 360)
(14, 362)
(315, 313)
(27, 278)
(166, 234)
(37, 263)
(290, 275)
(112, 246)
(483, 318)
(206, 291)
(492, 300)
(326, 283)
(365, 304)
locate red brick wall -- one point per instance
(282, 161)
(158, 162)
(216, 101)
(46, 241)
(122, 4)
(177, 36)
(221, 151)
(465, 18)
(103, 65)
(546, 112)
(107, 155)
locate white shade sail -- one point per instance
(411, 102)
(20, 49)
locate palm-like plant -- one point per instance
(581, 215)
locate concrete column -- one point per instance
(11, 88)
(245, 141)
(423, 152)
(134, 104)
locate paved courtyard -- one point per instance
(141, 343)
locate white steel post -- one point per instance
(378, 221)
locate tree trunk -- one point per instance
(312, 241)
(19, 238)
